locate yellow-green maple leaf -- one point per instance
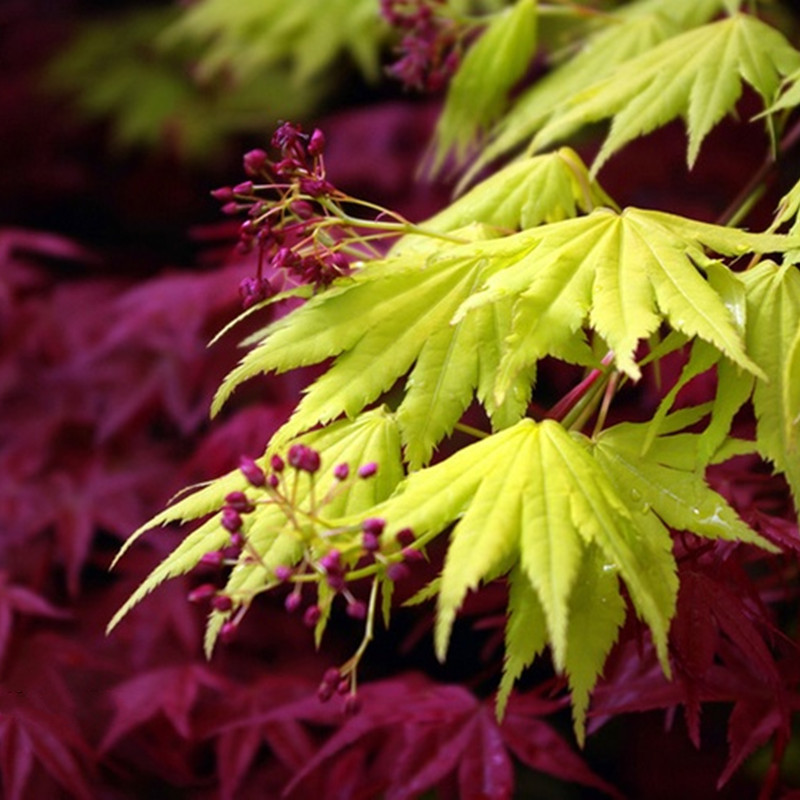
(621, 274)
(773, 321)
(696, 75)
(628, 32)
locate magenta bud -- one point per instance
(343, 687)
(405, 537)
(282, 572)
(373, 525)
(231, 520)
(341, 471)
(201, 593)
(370, 542)
(277, 463)
(332, 676)
(367, 470)
(316, 187)
(273, 481)
(336, 581)
(251, 471)
(311, 616)
(331, 561)
(292, 602)
(411, 555)
(325, 691)
(316, 144)
(228, 631)
(302, 209)
(230, 209)
(239, 502)
(214, 558)
(237, 540)
(224, 194)
(304, 458)
(397, 572)
(245, 187)
(356, 610)
(222, 603)
(254, 161)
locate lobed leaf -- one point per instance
(632, 30)
(477, 92)
(622, 274)
(531, 499)
(696, 75)
(773, 321)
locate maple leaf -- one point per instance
(632, 30)
(15, 599)
(525, 193)
(412, 735)
(532, 496)
(773, 326)
(697, 75)
(477, 92)
(620, 273)
(169, 691)
(309, 36)
(37, 740)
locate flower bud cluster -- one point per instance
(282, 199)
(429, 51)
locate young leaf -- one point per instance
(663, 483)
(773, 320)
(625, 273)
(632, 30)
(531, 494)
(403, 304)
(526, 633)
(697, 75)
(544, 188)
(489, 71)
(250, 37)
(596, 613)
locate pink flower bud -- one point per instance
(367, 470)
(292, 602)
(356, 610)
(205, 591)
(304, 458)
(254, 161)
(245, 188)
(311, 616)
(214, 558)
(227, 632)
(251, 471)
(405, 537)
(277, 463)
(316, 144)
(373, 525)
(239, 502)
(224, 194)
(230, 209)
(370, 542)
(341, 471)
(397, 572)
(282, 572)
(222, 603)
(231, 519)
